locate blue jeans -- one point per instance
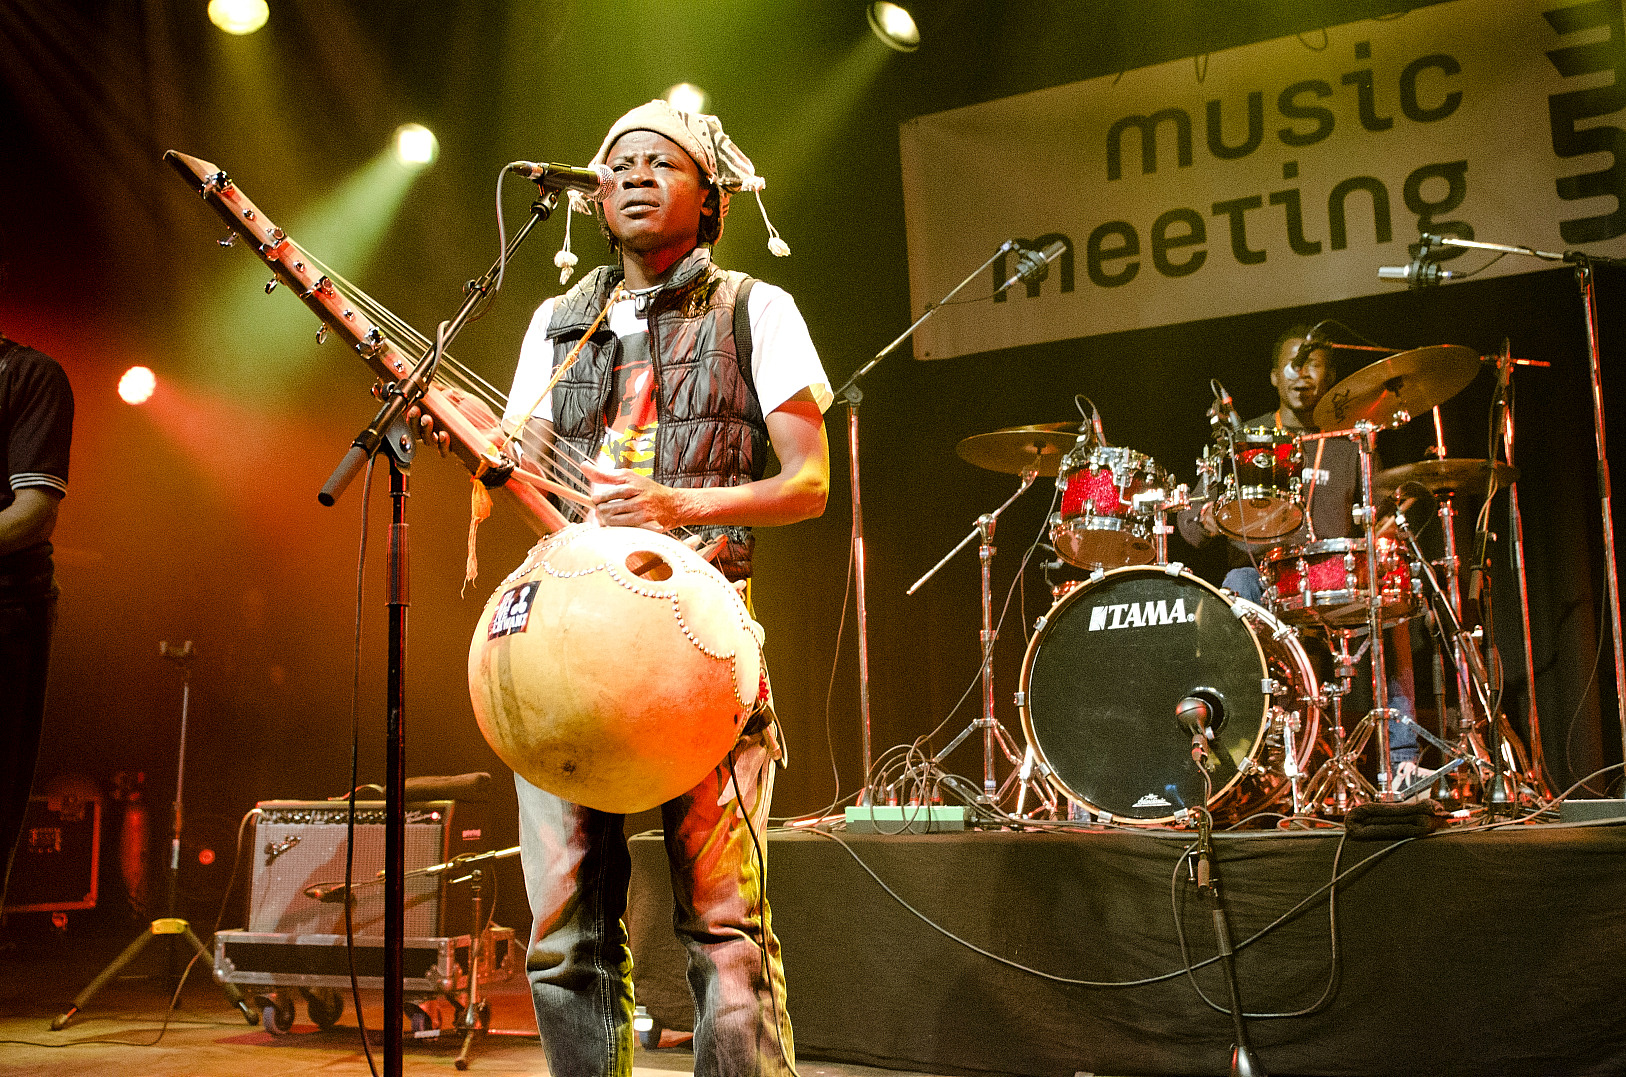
(1244, 582)
(576, 873)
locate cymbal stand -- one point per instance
(1364, 434)
(992, 731)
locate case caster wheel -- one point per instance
(325, 1005)
(276, 1013)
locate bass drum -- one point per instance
(1113, 659)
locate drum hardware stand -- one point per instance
(852, 396)
(171, 925)
(1179, 498)
(1464, 647)
(992, 731)
(1536, 772)
(1339, 779)
(1585, 279)
(1042, 792)
(389, 432)
(1465, 726)
(1366, 515)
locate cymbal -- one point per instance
(1450, 475)
(1407, 382)
(1016, 449)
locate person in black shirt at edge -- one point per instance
(36, 427)
(1302, 372)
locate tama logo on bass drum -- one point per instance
(1139, 614)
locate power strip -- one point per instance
(906, 819)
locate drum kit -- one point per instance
(1147, 694)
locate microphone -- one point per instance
(1418, 274)
(328, 895)
(1223, 409)
(1200, 714)
(1422, 272)
(594, 182)
(1033, 266)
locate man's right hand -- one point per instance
(1205, 517)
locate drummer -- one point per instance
(1302, 371)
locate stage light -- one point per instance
(894, 26)
(239, 16)
(687, 97)
(137, 385)
(415, 145)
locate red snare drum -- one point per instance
(1257, 480)
(1109, 500)
(1326, 583)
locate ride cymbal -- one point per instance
(1451, 475)
(1018, 449)
(1404, 384)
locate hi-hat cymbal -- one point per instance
(1018, 449)
(1450, 475)
(1405, 384)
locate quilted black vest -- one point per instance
(710, 428)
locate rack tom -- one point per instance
(1256, 477)
(1109, 502)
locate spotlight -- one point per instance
(687, 97)
(137, 385)
(894, 26)
(415, 145)
(239, 16)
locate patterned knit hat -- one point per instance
(714, 153)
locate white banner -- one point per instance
(1272, 175)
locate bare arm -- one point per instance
(797, 492)
(28, 520)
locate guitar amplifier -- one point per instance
(300, 844)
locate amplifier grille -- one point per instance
(299, 844)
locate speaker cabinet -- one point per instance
(300, 844)
(54, 869)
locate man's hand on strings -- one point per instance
(423, 428)
(421, 424)
(623, 498)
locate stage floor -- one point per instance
(208, 1037)
(1495, 952)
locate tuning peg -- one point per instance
(321, 334)
(230, 240)
(270, 286)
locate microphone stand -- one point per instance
(1585, 280)
(389, 430)
(852, 395)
